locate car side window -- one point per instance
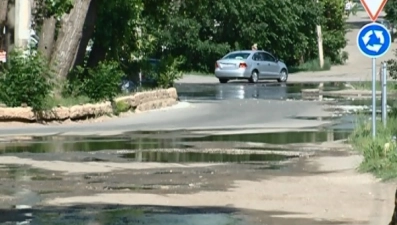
(256, 57)
(269, 57)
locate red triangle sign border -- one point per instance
(373, 17)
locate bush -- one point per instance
(103, 82)
(343, 57)
(167, 72)
(27, 79)
(380, 155)
(392, 66)
(120, 107)
(98, 84)
(312, 66)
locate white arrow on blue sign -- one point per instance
(374, 40)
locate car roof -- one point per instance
(248, 51)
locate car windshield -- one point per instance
(239, 55)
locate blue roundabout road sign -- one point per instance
(373, 40)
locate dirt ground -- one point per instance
(324, 188)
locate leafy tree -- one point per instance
(334, 29)
(204, 31)
(391, 11)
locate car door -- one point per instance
(259, 64)
(272, 68)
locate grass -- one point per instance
(312, 65)
(367, 85)
(378, 159)
(70, 101)
(198, 73)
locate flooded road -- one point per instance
(244, 90)
(146, 172)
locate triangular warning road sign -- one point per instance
(373, 7)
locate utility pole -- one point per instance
(22, 23)
(320, 44)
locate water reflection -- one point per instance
(188, 157)
(251, 91)
(122, 215)
(237, 90)
(137, 141)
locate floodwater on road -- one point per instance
(157, 142)
(244, 90)
(243, 155)
(118, 215)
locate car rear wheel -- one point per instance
(283, 76)
(254, 77)
(223, 81)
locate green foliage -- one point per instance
(312, 65)
(380, 154)
(103, 82)
(120, 107)
(392, 66)
(209, 29)
(334, 30)
(391, 11)
(26, 80)
(48, 8)
(98, 84)
(168, 71)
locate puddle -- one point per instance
(135, 141)
(121, 215)
(321, 118)
(244, 90)
(25, 173)
(189, 157)
(281, 137)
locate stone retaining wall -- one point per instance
(141, 101)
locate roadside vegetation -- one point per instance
(367, 85)
(380, 154)
(85, 49)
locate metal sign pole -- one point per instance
(374, 40)
(373, 97)
(384, 93)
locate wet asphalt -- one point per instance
(210, 106)
(207, 107)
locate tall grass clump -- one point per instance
(379, 153)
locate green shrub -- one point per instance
(168, 71)
(343, 57)
(26, 79)
(120, 107)
(312, 66)
(103, 82)
(74, 85)
(98, 84)
(380, 161)
(392, 66)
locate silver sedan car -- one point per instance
(253, 65)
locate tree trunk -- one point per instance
(89, 27)
(3, 18)
(47, 37)
(98, 53)
(69, 38)
(3, 12)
